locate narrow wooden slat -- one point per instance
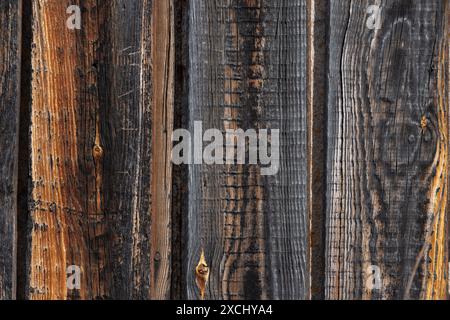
(94, 100)
(10, 44)
(247, 69)
(387, 151)
(162, 126)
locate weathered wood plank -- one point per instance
(95, 203)
(163, 55)
(387, 151)
(10, 44)
(247, 69)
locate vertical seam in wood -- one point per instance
(317, 104)
(24, 150)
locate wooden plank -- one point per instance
(163, 56)
(247, 69)
(95, 202)
(387, 151)
(10, 44)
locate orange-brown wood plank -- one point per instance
(95, 202)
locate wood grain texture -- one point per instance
(10, 45)
(163, 67)
(86, 177)
(247, 69)
(94, 201)
(387, 151)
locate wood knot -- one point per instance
(424, 122)
(202, 275)
(97, 152)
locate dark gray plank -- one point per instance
(10, 44)
(387, 151)
(247, 69)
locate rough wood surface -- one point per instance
(10, 44)
(86, 178)
(163, 55)
(387, 151)
(94, 203)
(247, 69)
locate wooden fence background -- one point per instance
(86, 178)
